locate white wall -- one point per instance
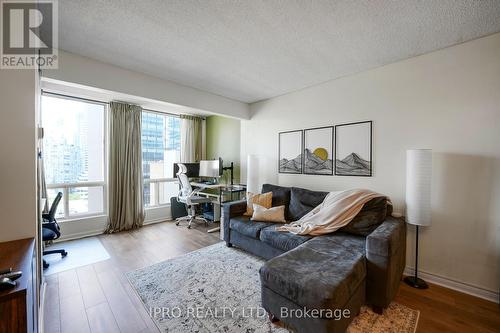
(81, 70)
(447, 100)
(18, 100)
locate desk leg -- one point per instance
(220, 214)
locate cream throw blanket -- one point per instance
(335, 212)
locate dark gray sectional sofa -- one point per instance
(361, 263)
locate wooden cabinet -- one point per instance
(18, 306)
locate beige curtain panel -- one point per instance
(126, 183)
(191, 138)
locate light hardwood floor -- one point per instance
(98, 297)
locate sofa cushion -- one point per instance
(372, 214)
(281, 194)
(281, 240)
(302, 201)
(319, 274)
(245, 226)
(352, 243)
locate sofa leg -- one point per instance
(272, 317)
(378, 309)
(229, 244)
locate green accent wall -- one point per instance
(223, 140)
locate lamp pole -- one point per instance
(414, 281)
(418, 200)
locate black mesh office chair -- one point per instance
(50, 228)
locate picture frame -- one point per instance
(353, 149)
(290, 152)
(318, 153)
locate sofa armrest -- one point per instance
(387, 238)
(385, 261)
(230, 210)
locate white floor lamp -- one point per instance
(253, 171)
(418, 199)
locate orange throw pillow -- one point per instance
(264, 200)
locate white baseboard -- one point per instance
(96, 225)
(96, 232)
(465, 288)
(157, 221)
(79, 235)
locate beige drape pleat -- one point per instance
(191, 138)
(126, 206)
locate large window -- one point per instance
(160, 150)
(74, 155)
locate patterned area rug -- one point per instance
(217, 289)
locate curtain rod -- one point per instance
(73, 97)
(95, 101)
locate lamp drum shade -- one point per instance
(418, 186)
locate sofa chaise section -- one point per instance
(323, 274)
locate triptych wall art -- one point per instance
(343, 150)
(290, 151)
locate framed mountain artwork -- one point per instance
(318, 151)
(353, 149)
(290, 151)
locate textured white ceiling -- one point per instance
(251, 50)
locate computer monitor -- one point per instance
(210, 168)
(193, 169)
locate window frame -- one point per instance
(104, 183)
(156, 192)
(65, 187)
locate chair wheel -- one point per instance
(176, 223)
(64, 254)
(189, 227)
